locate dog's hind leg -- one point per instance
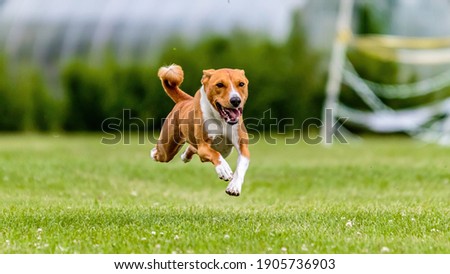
(188, 153)
(170, 141)
(164, 152)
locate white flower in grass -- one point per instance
(304, 247)
(39, 230)
(176, 237)
(226, 236)
(385, 249)
(349, 223)
(157, 246)
(143, 239)
(284, 249)
(153, 233)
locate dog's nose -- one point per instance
(235, 101)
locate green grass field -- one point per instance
(71, 194)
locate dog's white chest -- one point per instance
(220, 135)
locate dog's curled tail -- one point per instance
(171, 78)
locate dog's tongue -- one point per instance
(233, 113)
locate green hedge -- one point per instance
(25, 101)
(96, 93)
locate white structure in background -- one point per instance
(429, 122)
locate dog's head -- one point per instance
(227, 91)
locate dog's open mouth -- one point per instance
(230, 115)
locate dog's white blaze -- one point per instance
(233, 92)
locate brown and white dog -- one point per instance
(210, 122)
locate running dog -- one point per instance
(211, 122)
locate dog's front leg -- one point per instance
(207, 154)
(235, 186)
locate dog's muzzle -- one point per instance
(230, 115)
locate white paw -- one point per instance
(153, 153)
(184, 158)
(234, 187)
(224, 171)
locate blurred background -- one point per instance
(67, 65)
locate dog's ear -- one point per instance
(206, 75)
(241, 71)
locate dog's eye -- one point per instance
(241, 84)
(219, 85)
